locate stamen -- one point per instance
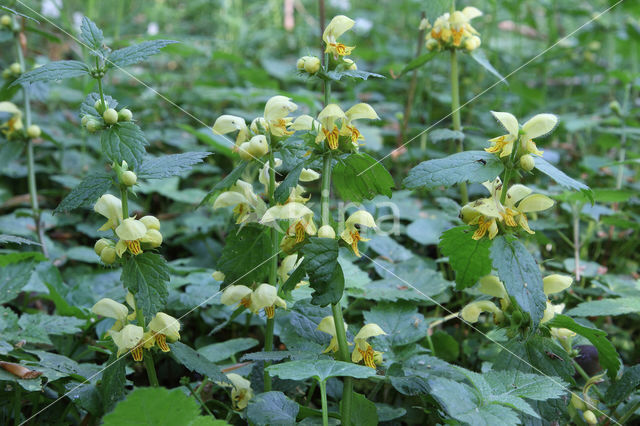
(270, 311)
(355, 237)
(508, 217)
(332, 137)
(161, 340)
(457, 36)
(483, 227)
(246, 302)
(300, 232)
(137, 353)
(134, 247)
(367, 357)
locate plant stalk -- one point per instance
(455, 116)
(325, 409)
(148, 357)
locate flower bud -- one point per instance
(259, 125)
(15, 68)
(326, 231)
(108, 255)
(472, 311)
(128, 178)
(350, 65)
(99, 107)
(125, 115)
(556, 283)
(5, 21)
(153, 238)
(151, 222)
(33, 131)
(258, 146)
(85, 119)
(6, 74)
(100, 245)
(218, 276)
(110, 116)
(309, 175)
(576, 402)
(432, 44)
(615, 107)
(300, 64)
(93, 125)
(244, 152)
(311, 64)
(472, 43)
(527, 163)
(590, 418)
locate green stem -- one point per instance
(325, 409)
(508, 171)
(197, 397)
(17, 405)
(148, 357)
(343, 352)
(455, 114)
(125, 201)
(629, 413)
(100, 83)
(31, 168)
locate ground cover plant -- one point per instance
(319, 212)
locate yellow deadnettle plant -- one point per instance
(338, 26)
(363, 351)
(351, 234)
(538, 126)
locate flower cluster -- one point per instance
(13, 128)
(453, 31)
(133, 235)
(363, 351)
(264, 297)
(131, 337)
(107, 117)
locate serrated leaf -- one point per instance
(90, 34)
(58, 70)
(520, 273)
(562, 179)
(598, 338)
(469, 166)
(112, 387)
(622, 388)
(136, 53)
(4, 239)
(439, 135)
(606, 307)
(470, 259)
(360, 176)
(85, 193)
(418, 62)
(146, 276)
(283, 190)
(12, 278)
(401, 321)
(325, 273)
(359, 74)
(479, 56)
(169, 165)
(272, 408)
(228, 181)
(124, 142)
(320, 370)
(245, 256)
(195, 361)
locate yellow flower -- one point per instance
(276, 111)
(516, 214)
(356, 112)
(351, 235)
(111, 309)
(14, 123)
(363, 350)
(539, 125)
(550, 311)
(492, 286)
(288, 265)
(237, 294)
(111, 208)
(241, 392)
(131, 231)
(266, 297)
(305, 122)
(556, 283)
(329, 130)
(164, 327)
(246, 204)
(308, 175)
(327, 231)
(299, 215)
(338, 26)
(129, 339)
(471, 312)
(453, 30)
(231, 123)
(328, 325)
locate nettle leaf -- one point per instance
(622, 388)
(470, 259)
(112, 388)
(58, 70)
(520, 273)
(86, 192)
(146, 276)
(606, 351)
(401, 321)
(195, 361)
(13, 277)
(562, 179)
(360, 176)
(320, 370)
(363, 411)
(359, 74)
(418, 62)
(216, 352)
(440, 135)
(36, 328)
(479, 56)
(169, 165)
(245, 256)
(91, 35)
(5, 238)
(468, 166)
(159, 406)
(325, 273)
(124, 141)
(606, 307)
(272, 408)
(136, 53)
(227, 182)
(283, 190)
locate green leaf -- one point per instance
(112, 388)
(469, 258)
(146, 276)
(479, 56)
(562, 179)
(401, 321)
(220, 351)
(159, 407)
(245, 256)
(520, 273)
(227, 182)
(446, 346)
(136, 53)
(91, 35)
(606, 351)
(363, 411)
(272, 408)
(283, 190)
(36, 328)
(469, 166)
(87, 106)
(169, 165)
(325, 273)
(58, 70)
(440, 135)
(622, 388)
(10, 150)
(360, 176)
(523, 385)
(85, 193)
(320, 370)
(12, 278)
(195, 361)
(418, 62)
(124, 141)
(359, 74)
(606, 307)
(296, 276)
(8, 239)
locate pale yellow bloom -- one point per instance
(328, 325)
(164, 327)
(329, 130)
(471, 312)
(266, 297)
(351, 234)
(276, 111)
(237, 294)
(111, 208)
(338, 26)
(131, 231)
(539, 125)
(231, 123)
(299, 215)
(363, 351)
(358, 111)
(14, 123)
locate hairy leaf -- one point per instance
(195, 361)
(90, 34)
(479, 56)
(146, 276)
(112, 387)
(418, 62)
(54, 71)
(606, 307)
(320, 370)
(228, 181)
(136, 53)
(124, 142)
(622, 388)
(85, 193)
(283, 190)
(12, 278)
(559, 176)
(169, 165)
(469, 258)
(245, 257)
(360, 176)
(325, 273)
(272, 408)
